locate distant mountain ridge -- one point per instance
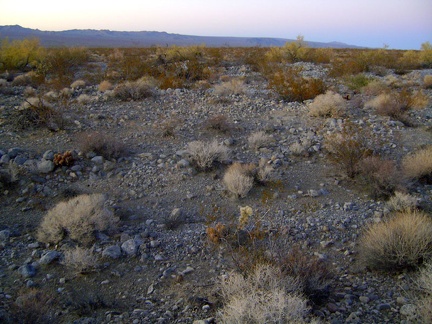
(108, 38)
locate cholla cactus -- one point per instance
(245, 213)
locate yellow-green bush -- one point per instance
(20, 54)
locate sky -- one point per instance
(398, 24)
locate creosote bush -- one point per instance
(78, 219)
(418, 166)
(404, 240)
(205, 154)
(264, 296)
(330, 104)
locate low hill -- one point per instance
(108, 38)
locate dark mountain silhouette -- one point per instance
(108, 38)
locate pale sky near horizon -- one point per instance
(400, 24)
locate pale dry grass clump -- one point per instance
(78, 219)
(264, 296)
(104, 86)
(427, 81)
(329, 104)
(78, 84)
(424, 303)
(233, 87)
(418, 165)
(402, 241)
(136, 90)
(386, 104)
(205, 154)
(259, 140)
(239, 178)
(402, 201)
(84, 99)
(81, 259)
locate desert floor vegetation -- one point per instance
(182, 184)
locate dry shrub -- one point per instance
(136, 90)
(380, 176)
(233, 87)
(402, 241)
(103, 144)
(418, 166)
(349, 146)
(78, 84)
(374, 88)
(239, 178)
(259, 139)
(402, 201)
(217, 233)
(36, 112)
(330, 104)
(292, 86)
(84, 99)
(23, 80)
(312, 273)
(168, 126)
(264, 296)
(427, 81)
(397, 104)
(205, 154)
(35, 306)
(418, 100)
(78, 219)
(104, 86)
(424, 303)
(218, 123)
(81, 259)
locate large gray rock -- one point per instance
(112, 252)
(130, 247)
(45, 166)
(27, 271)
(49, 257)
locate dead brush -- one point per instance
(218, 123)
(103, 144)
(349, 146)
(380, 176)
(36, 112)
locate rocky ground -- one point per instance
(154, 271)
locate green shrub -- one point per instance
(20, 54)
